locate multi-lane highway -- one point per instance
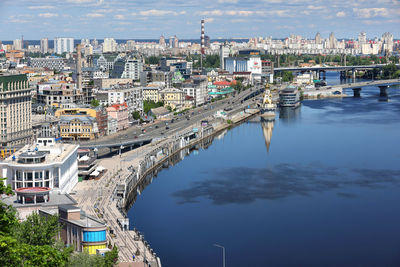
(139, 134)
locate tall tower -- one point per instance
(318, 38)
(78, 67)
(202, 43)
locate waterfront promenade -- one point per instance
(97, 197)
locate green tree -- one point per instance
(389, 71)
(95, 103)
(38, 230)
(149, 104)
(136, 115)
(287, 76)
(153, 60)
(111, 258)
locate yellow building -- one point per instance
(78, 127)
(151, 93)
(76, 112)
(172, 97)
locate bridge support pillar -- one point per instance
(353, 74)
(383, 90)
(343, 75)
(357, 92)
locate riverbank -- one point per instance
(107, 198)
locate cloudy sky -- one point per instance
(132, 19)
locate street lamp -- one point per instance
(223, 254)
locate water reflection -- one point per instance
(289, 114)
(242, 185)
(171, 161)
(267, 127)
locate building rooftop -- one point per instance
(54, 152)
(55, 199)
(84, 221)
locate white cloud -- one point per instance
(48, 15)
(228, 1)
(371, 12)
(156, 12)
(215, 12)
(340, 14)
(209, 20)
(18, 21)
(95, 15)
(314, 7)
(41, 7)
(81, 1)
(119, 17)
(372, 22)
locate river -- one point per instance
(318, 186)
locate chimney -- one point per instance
(78, 67)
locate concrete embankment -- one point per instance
(110, 197)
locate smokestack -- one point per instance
(78, 67)
(202, 44)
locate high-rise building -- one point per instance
(332, 41)
(171, 41)
(15, 110)
(17, 44)
(44, 45)
(224, 51)
(63, 45)
(95, 43)
(176, 42)
(109, 45)
(130, 45)
(85, 42)
(318, 38)
(161, 42)
(362, 38)
(387, 43)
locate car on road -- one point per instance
(162, 132)
(136, 136)
(166, 127)
(156, 126)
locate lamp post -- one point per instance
(223, 254)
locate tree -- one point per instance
(389, 71)
(38, 230)
(136, 115)
(287, 76)
(149, 104)
(95, 103)
(153, 60)
(111, 258)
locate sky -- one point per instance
(149, 19)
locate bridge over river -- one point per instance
(381, 84)
(318, 69)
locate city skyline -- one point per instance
(224, 19)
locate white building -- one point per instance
(132, 96)
(132, 69)
(197, 90)
(44, 45)
(45, 164)
(238, 64)
(17, 44)
(109, 45)
(52, 63)
(224, 51)
(62, 45)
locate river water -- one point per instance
(319, 186)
